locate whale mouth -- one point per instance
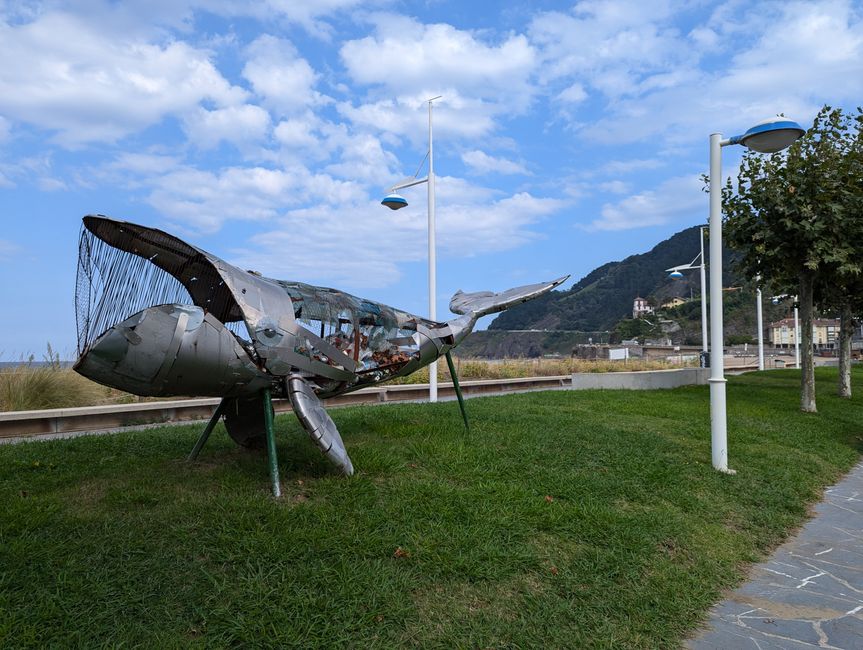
(172, 349)
(124, 268)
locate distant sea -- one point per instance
(34, 364)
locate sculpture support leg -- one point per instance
(455, 384)
(271, 443)
(214, 420)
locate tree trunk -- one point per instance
(846, 331)
(807, 374)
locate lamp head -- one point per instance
(394, 201)
(676, 275)
(771, 135)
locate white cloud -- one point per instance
(46, 184)
(607, 44)
(145, 164)
(309, 14)
(7, 250)
(481, 163)
(298, 133)
(407, 57)
(454, 116)
(407, 62)
(675, 199)
(614, 187)
(284, 79)
(574, 94)
(815, 49)
(203, 201)
(241, 125)
(630, 165)
(91, 88)
(361, 244)
(787, 57)
(362, 157)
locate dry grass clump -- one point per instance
(30, 386)
(468, 369)
(27, 387)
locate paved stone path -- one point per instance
(809, 594)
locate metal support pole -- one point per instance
(214, 420)
(432, 261)
(718, 422)
(271, 442)
(455, 385)
(760, 328)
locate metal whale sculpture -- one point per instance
(159, 317)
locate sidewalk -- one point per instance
(809, 594)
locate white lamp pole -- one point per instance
(432, 261)
(769, 136)
(675, 272)
(703, 272)
(396, 202)
(796, 335)
(760, 327)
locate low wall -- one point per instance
(640, 380)
(20, 424)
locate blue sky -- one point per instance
(568, 134)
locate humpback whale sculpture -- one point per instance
(157, 316)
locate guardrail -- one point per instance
(29, 424)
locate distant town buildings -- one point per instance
(825, 333)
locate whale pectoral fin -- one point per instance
(318, 423)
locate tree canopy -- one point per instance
(796, 219)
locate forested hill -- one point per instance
(604, 296)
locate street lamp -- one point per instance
(769, 136)
(675, 272)
(395, 202)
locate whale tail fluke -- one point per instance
(482, 303)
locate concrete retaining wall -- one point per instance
(18, 424)
(641, 380)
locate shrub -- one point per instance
(30, 386)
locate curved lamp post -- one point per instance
(675, 272)
(769, 136)
(395, 201)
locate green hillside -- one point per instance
(598, 307)
(604, 296)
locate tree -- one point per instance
(795, 217)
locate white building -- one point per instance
(825, 333)
(640, 307)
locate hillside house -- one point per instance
(640, 307)
(671, 303)
(825, 333)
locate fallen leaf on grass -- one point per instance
(400, 552)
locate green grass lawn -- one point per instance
(563, 519)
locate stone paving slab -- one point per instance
(809, 593)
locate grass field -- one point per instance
(563, 519)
